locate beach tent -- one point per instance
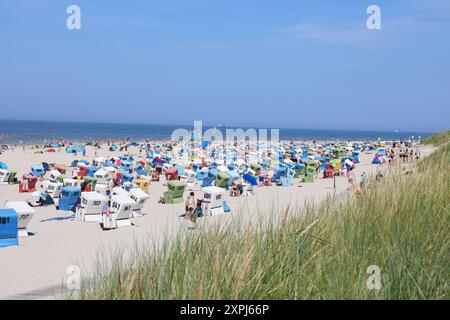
(9, 228)
(376, 159)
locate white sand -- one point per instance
(40, 262)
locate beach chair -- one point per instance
(89, 183)
(212, 175)
(356, 156)
(25, 214)
(28, 183)
(202, 173)
(140, 170)
(46, 167)
(143, 183)
(249, 190)
(329, 171)
(69, 198)
(310, 173)
(9, 230)
(102, 176)
(255, 167)
(171, 174)
(12, 177)
(222, 179)
(213, 201)
(125, 165)
(91, 171)
(288, 179)
(4, 176)
(119, 191)
(188, 177)
(91, 206)
(139, 197)
(127, 177)
(60, 168)
(53, 188)
(37, 170)
(82, 170)
(234, 176)
(120, 212)
(53, 175)
(175, 192)
(72, 183)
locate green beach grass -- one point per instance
(438, 139)
(400, 224)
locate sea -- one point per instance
(38, 132)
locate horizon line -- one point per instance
(220, 124)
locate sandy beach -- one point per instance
(37, 267)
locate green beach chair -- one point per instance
(222, 179)
(310, 173)
(175, 192)
(92, 181)
(62, 177)
(12, 177)
(255, 167)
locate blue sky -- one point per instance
(284, 63)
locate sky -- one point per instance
(274, 63)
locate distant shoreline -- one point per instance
(37, 132)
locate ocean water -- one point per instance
(15, 131)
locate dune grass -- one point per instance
(438, 139)
(400, 224)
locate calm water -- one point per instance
(39, 131)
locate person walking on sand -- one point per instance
(362, 183)
(190, 206)
(351, 178)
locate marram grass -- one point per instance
(400, 224)
(438, 139)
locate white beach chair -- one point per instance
(139, 197)
(53, 188)
(120, 212)
(91, 206)
(102, 176)
(119, 191)
(72, 183)
(189, 177)
(4, 175)
(249, 190)
(212, 203)
(53, 175)
(25, 213)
